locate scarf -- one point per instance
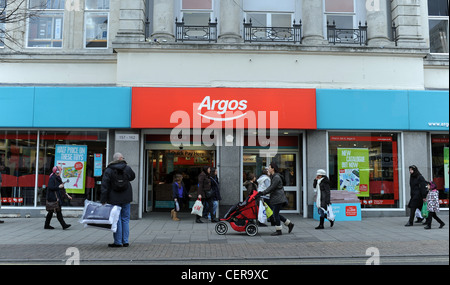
(317, 190)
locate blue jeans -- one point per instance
(123, 225)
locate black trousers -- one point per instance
(412, 214)
(59, 216)
(432, 215)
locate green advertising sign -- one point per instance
(353, 166)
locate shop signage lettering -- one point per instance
(212, 114)
(127, 137)
(236, 108)
(222, 106)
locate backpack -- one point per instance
(119, 180)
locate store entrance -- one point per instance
(162, 165)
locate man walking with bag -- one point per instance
(116, 190)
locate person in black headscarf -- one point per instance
(418, 192)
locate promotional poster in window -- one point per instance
(354, 171)
(72, 159)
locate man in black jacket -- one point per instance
(115, 173)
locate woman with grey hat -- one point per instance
(322, 188)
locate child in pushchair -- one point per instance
(243, 217)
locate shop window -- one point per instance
(46, 28)
(77, 153)
(366, 164)
(26, 165)
(438, 23)
(440, 170)
(18, 167)
(96, 23)
(166, 163)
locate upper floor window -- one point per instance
(267, 13)
(340, 12)
(96, 23)
(197, 12)
(438, 23)
(46, 29)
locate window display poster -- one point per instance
(353, 166)
(72, 159)
(446, 175)
(98, 164)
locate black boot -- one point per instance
(320, 226)
(197, 220)
(277, 232)
(48, 218)
(60, 218)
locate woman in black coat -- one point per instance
(204, 187)
(418, 192)
(55, 193)
(321, 185)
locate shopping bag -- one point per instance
(425, 210)
(197, 209)
(262, 217)
(100, 216)
(330, 214)
(269, 211)
(418, 214)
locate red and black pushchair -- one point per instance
(243, 217)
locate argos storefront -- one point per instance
(161, 131)
(236, 130)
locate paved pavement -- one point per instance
(156, 239)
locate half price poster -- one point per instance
(72, 159)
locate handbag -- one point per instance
(197, 209)
(425, 210)
(52, 206)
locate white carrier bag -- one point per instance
(100, 216)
